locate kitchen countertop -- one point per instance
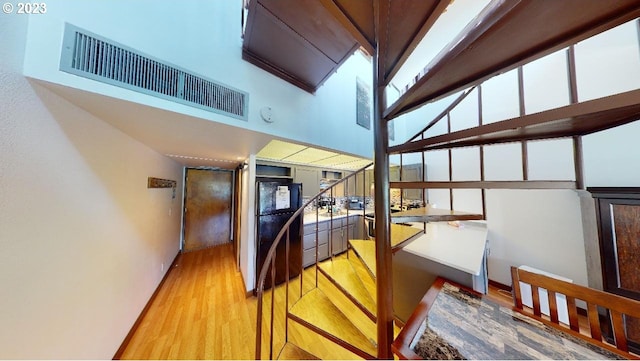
(459, 247)
(311, 217)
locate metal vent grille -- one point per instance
(90, 56)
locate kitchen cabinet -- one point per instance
(332, 237)
(344, 230)
(363, 183)
(310, 179)
(309, 243)
(272, 171)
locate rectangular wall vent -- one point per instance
(90, 56)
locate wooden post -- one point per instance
(384, 289)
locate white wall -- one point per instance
(84, 242)
(248, 228)
(541, 228)
(204, 37)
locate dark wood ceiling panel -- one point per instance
(296, 40)
(575, 119)
(508, 34)
(310, 20)
(360, 12)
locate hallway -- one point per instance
(200, 312)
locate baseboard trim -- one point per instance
(134, 328)
(499, 285)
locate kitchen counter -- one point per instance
(456, 253)
(459, 247)
(310, 218)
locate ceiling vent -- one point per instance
(91, 56)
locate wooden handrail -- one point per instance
(270, 260)
(617, 306)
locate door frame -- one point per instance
(233, 225)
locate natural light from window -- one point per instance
(458, 14)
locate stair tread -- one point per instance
(401, 235)
(293, 352)
(366, 251)
(317, 309)
(342, 272)
(430, 214)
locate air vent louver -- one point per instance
(90, 56)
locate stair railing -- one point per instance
(269, 265)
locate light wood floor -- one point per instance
(202, 312)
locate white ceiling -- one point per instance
(196, 142)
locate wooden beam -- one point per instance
(541, 184)
(540, 27)
(349, 25)
(573, 119)
(442, 114)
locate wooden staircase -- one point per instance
(342, 309)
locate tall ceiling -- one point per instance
(305, 41)
(506, 34)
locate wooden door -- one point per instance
(207, 213)
(618, 212)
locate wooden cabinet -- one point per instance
(363, 183)
(310, 180)
(618, 213)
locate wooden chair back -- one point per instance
(615, 306)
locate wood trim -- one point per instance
(615, 192)
(136, 324)
(569, 120)
(523, 145)
(578, 161)
(442, 114)
(571, 73)
(401, 344)
(542, 184)
(500, 286)
(450, 154)
(273, 69)
(495, 24)
(353, 29)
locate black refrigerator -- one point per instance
(276, 203)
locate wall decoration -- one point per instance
(162, 183)
(363, 104)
